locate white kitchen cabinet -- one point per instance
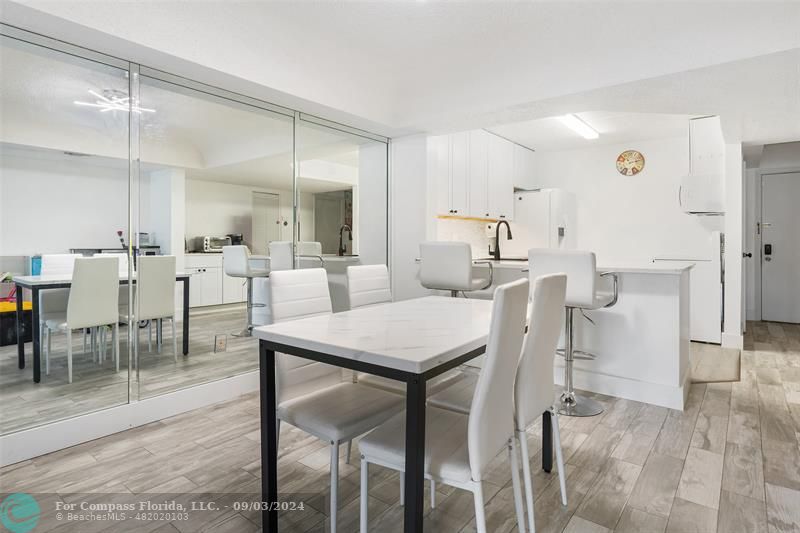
(523, 167)
(478, 174)
(234, 290)
(439, 169)
(205, 286)
(459, 172)
(501, 178)
(702, 191)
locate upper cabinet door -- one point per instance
(478, 174)
(439, 168)
(501, 178)
(523, 168)
(459, 172)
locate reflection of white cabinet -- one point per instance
(209, 284)
(478, 174)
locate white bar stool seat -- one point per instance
(236, 260)
(447, 266)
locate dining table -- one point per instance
(410, 341)
(62, 281)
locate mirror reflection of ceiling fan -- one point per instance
(113, 100)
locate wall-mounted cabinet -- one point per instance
(475, 173)
(702, 192)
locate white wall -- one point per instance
(52, 204)
(409, 213)
(214, 208)
(629, 219)
(370, 215)
(783, 155)
(734, 239)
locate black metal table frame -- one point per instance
(415, 426)
(35, 334)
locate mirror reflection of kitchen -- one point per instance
(333, 221)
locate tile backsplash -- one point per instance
(474, 232)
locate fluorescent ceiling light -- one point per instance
(580, 127)
(113, 100)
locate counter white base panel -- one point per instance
(642, 343)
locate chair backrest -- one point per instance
(445, 265)
(368, 285)
(579, 266)
(236, 260)
(56, 264)
(298, 294)
(280, 255)
(94, 294)
(123, 262)
(155, 287)
(309, 248)
(533, 389)
(491, 417)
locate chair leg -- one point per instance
(526, 474)
(559, 459)
(334, 484)
(69, 355)
(149, 335)
(85, 334)
(364, 495)
(159, 335)
(48, 347)
(115, 339)
(402, 488)
(480, 512)
(102, 350)
(433, 494)
(93, 343)
(349, 449)
(512, 455)
(174, 340)
(277, 433)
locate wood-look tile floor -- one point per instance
(25, 404)
(729, 463)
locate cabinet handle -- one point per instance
(487, 214)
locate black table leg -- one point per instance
(415, 453)
(547, 441)
(20, 318)
(186, 316)
(35, 335)
(269, 441)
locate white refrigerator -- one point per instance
(543, 218)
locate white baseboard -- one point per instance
(34, 442)
(630, 389)
(731, 340)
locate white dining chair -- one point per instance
(459, 447)
(53, 302)
(153, 297)
(93, 302)
(313, 396)
(280, 255)
(534, 384)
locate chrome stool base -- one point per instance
(572, 404)
(246, 332)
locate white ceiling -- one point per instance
(404, 66)
(549, 134)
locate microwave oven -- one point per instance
(211, 244)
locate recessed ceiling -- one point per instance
(549, 134)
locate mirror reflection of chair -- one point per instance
(236, 260)
(280, 255)
(447, 266)
(154, 297)
(93, 302)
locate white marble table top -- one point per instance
(412, 336)
(661, 267)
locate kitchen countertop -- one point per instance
(662, 267)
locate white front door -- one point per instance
(780, 247)
(266, 221)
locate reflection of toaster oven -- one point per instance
(210, 244)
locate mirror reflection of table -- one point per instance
(37, 283)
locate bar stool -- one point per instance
(447, 266)
(582, 294)
(236, 260)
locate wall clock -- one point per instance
(630, 162)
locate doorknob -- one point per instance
(747, 254)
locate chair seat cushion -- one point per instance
(56, 322)
(446, 452)
(398, 387)
(457, 397)
(340, 412)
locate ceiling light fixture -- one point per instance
(113, 100)
(580, 127)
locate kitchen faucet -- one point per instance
(496, 252)
(342, 248)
